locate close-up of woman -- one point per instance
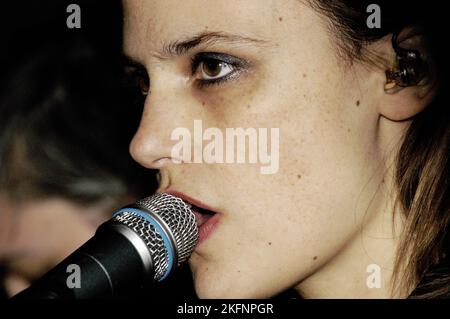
(359, 206)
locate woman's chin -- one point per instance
(217, 283)
(220, 290)
(210, 285)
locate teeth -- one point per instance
(199, 210)
(189, 205)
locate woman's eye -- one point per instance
(137, 78)
(141, 81)
(215, 68)
(143, 85)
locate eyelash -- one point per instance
(140, 79)
(143, 82)
(137, 77)
(237, 64)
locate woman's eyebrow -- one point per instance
(181, 47)
(178, 48)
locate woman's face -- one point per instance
(274, 65)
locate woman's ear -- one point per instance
(410, 82)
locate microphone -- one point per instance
(138, 247)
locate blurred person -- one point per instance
(64, 132)
(364, 141)
(64, 164)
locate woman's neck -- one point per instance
(364, 266)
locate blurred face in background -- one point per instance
(64, 164)
(36, 235)
(267, 64)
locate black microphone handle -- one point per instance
(110, 264)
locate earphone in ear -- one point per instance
(409, 70)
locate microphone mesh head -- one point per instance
(176, 217)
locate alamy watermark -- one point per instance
(74, 279)
(374, 278)
(374, 19)
(73, 21)
(236, 145)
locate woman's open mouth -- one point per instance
(207, 219)
(202, 215)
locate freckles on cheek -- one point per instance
(233, 99)
(223, 99)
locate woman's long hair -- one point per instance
(422, 172)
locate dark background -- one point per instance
(30, 27)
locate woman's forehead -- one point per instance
(170, 21)
(168, 18)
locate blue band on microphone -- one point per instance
(166, 240)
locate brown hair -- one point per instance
(423, 168)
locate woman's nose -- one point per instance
(164, 110)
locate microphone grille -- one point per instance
(163, 213)
(178, 217)
(152, 238)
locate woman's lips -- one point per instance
(206, 225)
(201, 218)
(206, 218)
